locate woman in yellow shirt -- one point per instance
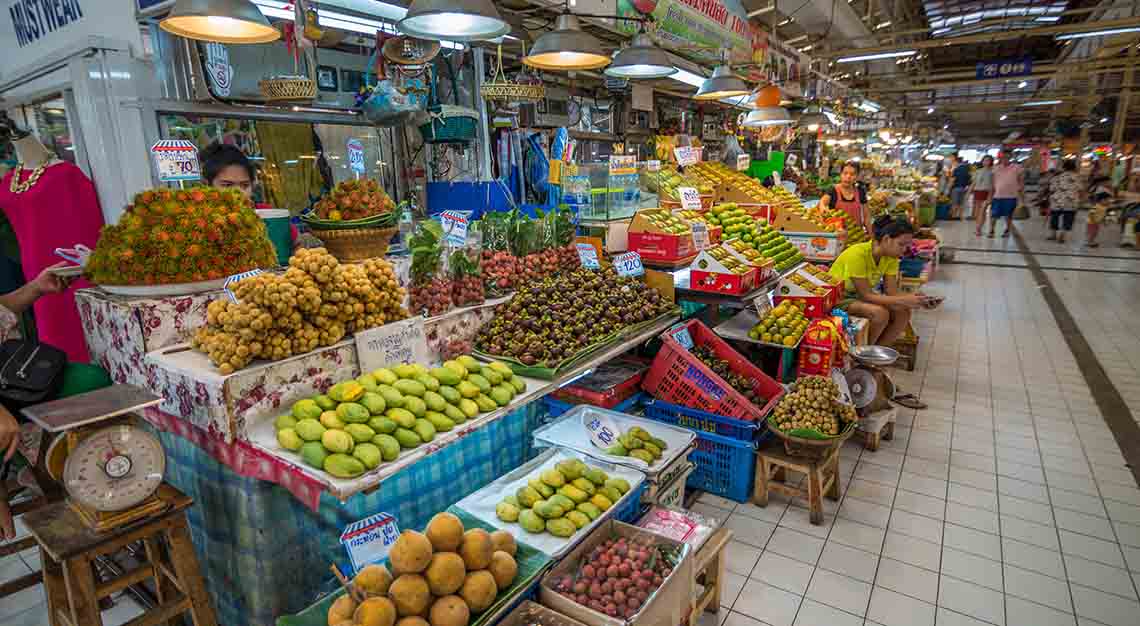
(864, 266)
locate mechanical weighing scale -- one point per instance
(110, 468)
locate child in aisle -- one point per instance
(1064, 198)
(983, 188)
(1101, 194)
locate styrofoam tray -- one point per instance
(482, 503)
(569, 431)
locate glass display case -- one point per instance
(612, 196)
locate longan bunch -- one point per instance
(813, 404)
(316, 262)
(226, 350)
(308, 292)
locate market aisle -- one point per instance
(1007, 501)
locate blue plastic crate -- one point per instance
(701, 421)
(556, 407)
(631, 511)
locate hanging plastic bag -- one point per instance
(388, 104)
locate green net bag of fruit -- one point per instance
(499, 267)
(464, 266)
(430, 292)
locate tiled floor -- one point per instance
(1006, 502)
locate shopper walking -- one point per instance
(1009, 186)
(960, 181)
(847, 196)
(1064, 198)
(982, 189)
(1101, 193)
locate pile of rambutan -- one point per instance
(353, 200)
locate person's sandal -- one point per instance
(909, 400)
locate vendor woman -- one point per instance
(849, 197)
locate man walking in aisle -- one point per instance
(1009, 185)
(960, 176)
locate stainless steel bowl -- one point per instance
(875, 355)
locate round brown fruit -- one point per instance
(479, 591)
(445, 531)
(449, 611)
(476, 549)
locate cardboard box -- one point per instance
(654, 244)
(817, 306)
(534, 614)
(707, 273)
(668, 606)
(816, 246)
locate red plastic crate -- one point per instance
(678, 377)
(610, 385)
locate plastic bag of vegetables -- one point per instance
(430, 292)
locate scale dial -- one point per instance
(114, 468)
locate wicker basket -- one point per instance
(288, 89)
(814, 449)
(356, 244)
(512, 92)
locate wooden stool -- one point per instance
(709, 562)
(68, 547)
(822, 477)
(878, 426)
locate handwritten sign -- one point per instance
(700, 235)
(623, 164)
(603, 432)
(763, 305)
(230, 280)
(176, 160)
(368, 540)
(455, 226)
(355, 150)
(653, 165)
(687, 155)
(690, 198)
(588, 255)
(681, 335)
(392, 344)
(628, 264)
(743, 162)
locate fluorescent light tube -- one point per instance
(688, 78)
(880, 55)
(1041, 103)
(1098, 33)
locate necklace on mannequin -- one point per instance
(18, 186)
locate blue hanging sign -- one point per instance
(1005, 68)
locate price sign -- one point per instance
(653, 165)
(623, 164)
(603, 431)
(588, 255)
(681, 335)
(355, 150)
(176, 160)
(690, 198)
(687, 155)
(368, 540)
(743, 162)
(393, 344)
(455, 227)
(763, 305)
(230, 280)
(628, 264)
(700, 235)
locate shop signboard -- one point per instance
(1004, 68)
(218, 69)
(715, 25)
(33, 30)
(368, 541)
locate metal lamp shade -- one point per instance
(722, 84)
(567, 47)
(219, 21)
(813, 119)
(454, 20)
(641, 59)
(768, 116)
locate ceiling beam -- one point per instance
(1059, 72)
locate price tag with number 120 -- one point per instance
(628, 264)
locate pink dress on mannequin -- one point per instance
(59, 211)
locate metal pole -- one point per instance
(1123, 102)
(484, 136)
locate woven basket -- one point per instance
(814, 449)
(512, 92)
(291, 89)
(356, 244)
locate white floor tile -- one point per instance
(1084, 524)
(1123, 512)
(920, 504)
(849, 561)
(1033, 558)
(935, 487)
(780, 571)
(732, 618)
(1030, 510)
(894, 609)
(912, 550)
(1022, 489)
(972, 568)
(915, 525)
(973, 600)
(813, 613)
(839, 591)
(972, 541)
(1104, 607)
(1037, 588)
(1029, 532)
(768, 604)
(1099, 576)
(972, 517)
(973, 497)
(796, 545)
(733, 583)
(799, 519)
(1024, 613)
(865, 512)
(1127, 534)
(871, 492)
(908, 579)
(748, 530)
(741, 558)
(946, 617)
(1091, 548)
(856, 535)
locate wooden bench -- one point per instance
(822, 477)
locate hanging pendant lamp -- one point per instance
(642, 59)
(812, 118)
(722, 84)
(219, 21)
(567, 47)
(767, 116)
(454, 20)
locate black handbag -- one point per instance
(30, 372)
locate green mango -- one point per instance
(542, 488)
(561, 527)
(469, 408)
(367, 381)
(660, 443)
(652, 449)
(445, 376)
(642, 454)
(352, 413)
(531, 522)
(574, 493)
(630, 442)
(507, 512)
(440, 421)
(306, 408)
(309, 429)
(368, 454)
(405, 371)
(289, 439)
(284, 421)
(553, 477)
(482, 383)
(485, 404)
(595, 475)
(500, 396)
(425, 430)
(415, 406)
(621, 484)
(410, 388)
(640, 433)
(313, 454)
(454, 414)
(611, 494)
(580, 519)
(374, 402)
(617, 450)
(385, 376)
(601, 502)
(451, 394)
(383, 425)
(585, 486)
(329, 419)
(457, 367)
(570, 468)
(527, 496)
(326, 403)
(506, 387)
(434, 401)
(360, 433)
(428, 381)
(467, 389)
(548, 510)
(566, 503)
(511, 499)
(389, 447)
(393, 398)
(407, 438)
(501, 368)
(337, 441)
(343, 466)
(491, 375)
(590, 509)
(402, 417)
(469, 362)
(518, 383)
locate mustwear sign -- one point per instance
(33, 19)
